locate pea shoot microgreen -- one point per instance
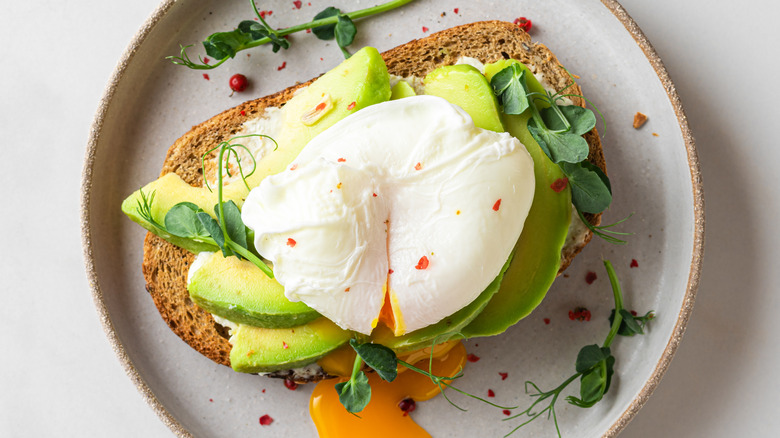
(227, 232)
(594, 366)
(328, 24)
(559, 130)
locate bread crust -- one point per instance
(165, 266)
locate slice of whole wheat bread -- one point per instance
(165, 266)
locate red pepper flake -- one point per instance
(341, 160)
(290, 384)
(321, 59)
(491, 393)
(422, 264)
(471, 357)
(263, 391)
(281, 67)
(243, 113)
(351, 106)
(503, 375)
(294, 166)
(417, 166)
(546, 321)
(266, 420)
(633, 313)
(265, 13)
(455, 10)
(346, 290)
(407, 405)
(284, 344)
(211, 400)
(634, 263)
(523, 23)
(374, 195)
(507, 412)
(291, 242)
(579, 314)
(321, 106)
(297, 4)
(206, 76)
(425, 29)
(205, 60)
(559, 184)
(308, 30)
(390, 271)
(497, 205)
(590, 277)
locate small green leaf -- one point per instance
(182, 220)
(589, 356)
(510, 87)
(225, 44)
(211, 225)
(593, 384)
(327, 32)
(591, 191)
(255, 30)
(355, 393)
(345, 33)
(560, 147)
(631, 325)
(581, 120)
(236, 230)
(378, 357)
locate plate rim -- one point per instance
(613, 6)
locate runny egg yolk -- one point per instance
(383, 417)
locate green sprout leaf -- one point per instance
(236, 230)
(182, 221)
(632, 325)
(559, 147)
(345, 33)
(511, 89)
(328, 31)
(590, 188)
(378, 357)
(355, 393)
(212, 226)
(570, 118)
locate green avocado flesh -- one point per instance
(356, 83)
(402, 89)
(465, 86)
(537, 254)
(237, 291)
(259, 350)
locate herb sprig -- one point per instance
(594, 365)
(559, 130)
(328, 24)
(227, 232)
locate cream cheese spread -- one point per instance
(405, 199)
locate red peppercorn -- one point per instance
(523, 23)
(407, 405)
(238, 82)
(290, 384)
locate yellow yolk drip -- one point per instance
(382, 417)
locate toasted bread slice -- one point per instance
(165, 266)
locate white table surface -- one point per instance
(59, 377)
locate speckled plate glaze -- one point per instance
(654, 171)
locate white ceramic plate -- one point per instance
(654, 172)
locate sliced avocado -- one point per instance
(259, 350)
(466, 87)
(237, 291)
(444, 330)
(402, 89)
(358, 82)
(537, 255)
(163, 194)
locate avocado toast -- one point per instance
(166, 266)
